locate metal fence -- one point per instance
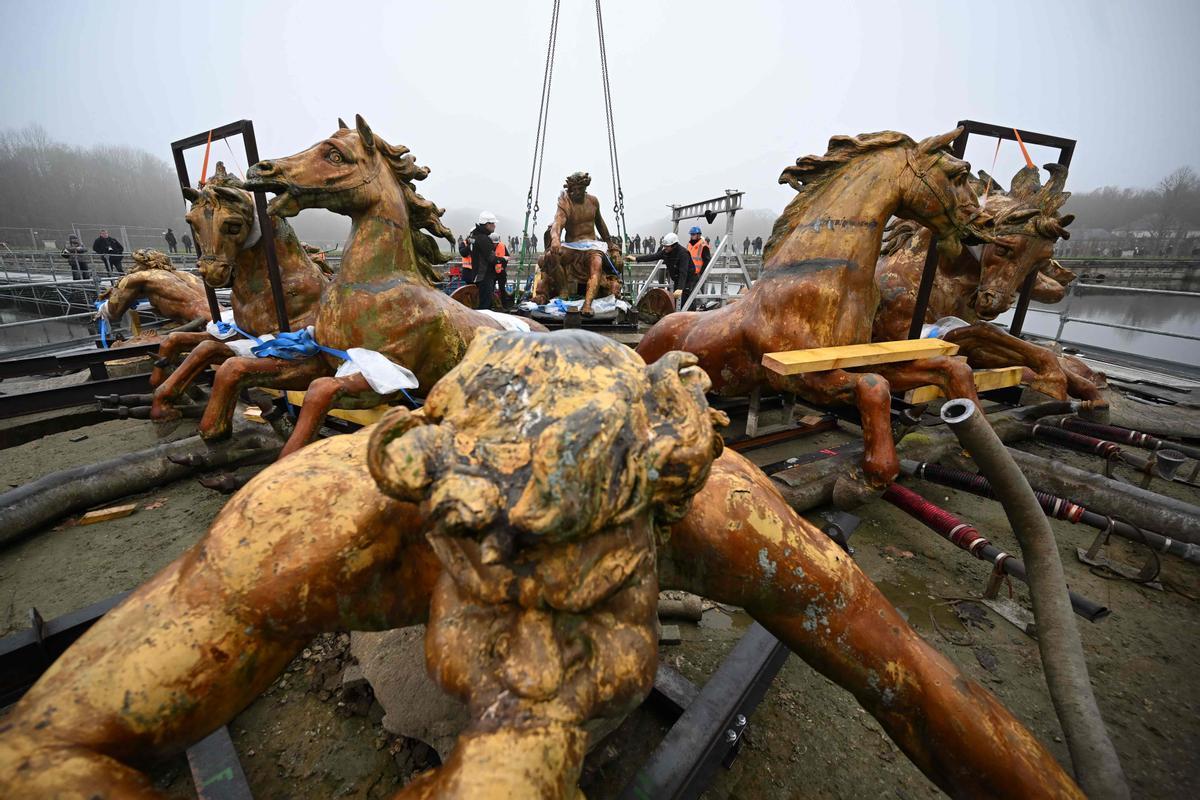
(131, 237)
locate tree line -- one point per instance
(48, 183)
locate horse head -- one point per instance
(345, 172)
(1025, 227)
(936, 192)
(348, 172)
(224, 222)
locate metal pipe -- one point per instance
(964, 536)
(1139, 507)
(1126, 436)
(1054, 507)
(1097, 767)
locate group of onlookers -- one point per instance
(111, 252)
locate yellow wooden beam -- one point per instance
(819, 359)
(360, 416)
(985, 380)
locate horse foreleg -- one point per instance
(988, 347)
(1082, 381)
(308, 546)
(318, 400)
(163, 409)
(170, 350)
(870, 393)
(740, 543)
(951, 374)
(237, 374)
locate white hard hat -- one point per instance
(495, 237)
(485, 217)
(669, 239)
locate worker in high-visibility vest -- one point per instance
(464, 250)
(701, 254)
(502, 271)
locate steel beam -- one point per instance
(25, 655)
(15, 405)
(711, 728)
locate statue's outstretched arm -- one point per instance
(309, 545)
(740, 543)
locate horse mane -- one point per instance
(898, 236)
(812, 172)
(1028, 206)
(425, 218)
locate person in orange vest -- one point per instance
(701, 255)
(464, 250)
(502, 271)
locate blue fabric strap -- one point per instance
(294, 346)
(103, 326)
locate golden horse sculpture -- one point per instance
(234, 254)
(383, 296)
(178, 296)
(528, 513)
(817, 285)
(1026, 224)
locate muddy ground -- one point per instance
(307, 738)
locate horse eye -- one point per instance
(335, 156)
(1003, 251)
(233, 228)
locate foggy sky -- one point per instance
(708, 95)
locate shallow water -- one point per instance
(1092, 308)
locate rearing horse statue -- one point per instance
(234, 254)
(978, 287)
(817, 287)
(382, 298)
(173, 294)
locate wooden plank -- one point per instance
(359, 416)
(819, 359)
(112, 512)
(985, 380)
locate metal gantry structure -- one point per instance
(1066, 149)
(726, 274)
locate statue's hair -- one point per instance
(812, 172)
(425, 218)
(554, 436)
(151, 259)
(577, 178)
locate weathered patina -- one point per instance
(234, 255)
(382, 297)
(979, 286)
(561, 270)
(529, 513)
(176, 295)
(817, 286)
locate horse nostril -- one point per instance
(264, 168)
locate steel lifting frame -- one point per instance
(1066, 149)
(718, 265)
(246, 128)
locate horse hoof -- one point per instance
(165, 413)
(225, 483)
(853, 490)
